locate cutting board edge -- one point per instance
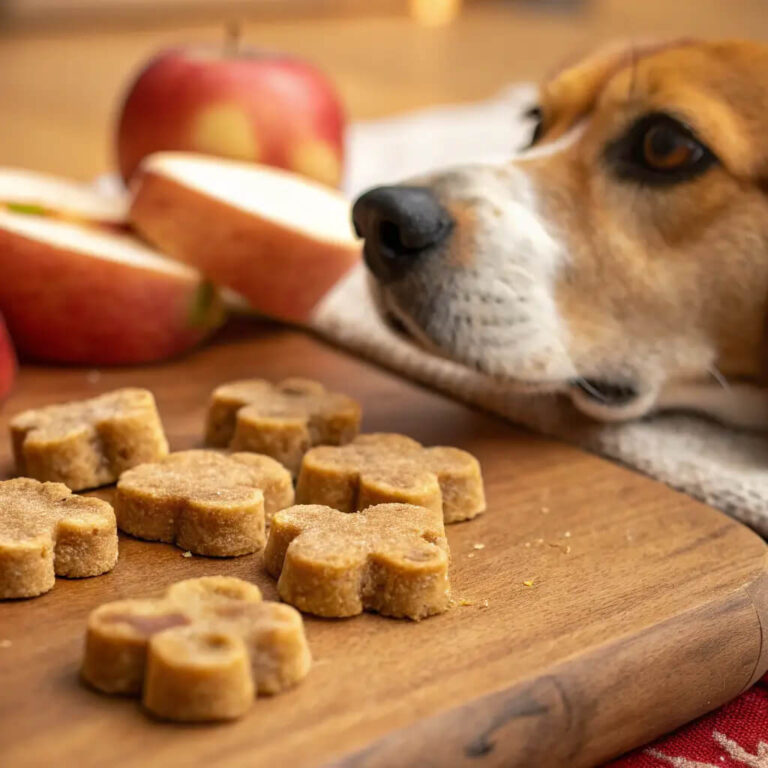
(757, 590)
(500, 729)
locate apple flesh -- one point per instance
(32, 193)
(279, 240)
(241, 104)
(75, 294)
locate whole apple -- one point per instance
(237, 103)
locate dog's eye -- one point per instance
(659, 149)
(667, 148)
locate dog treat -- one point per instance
(280, 420)
(391, 558)
(46, 531)
(205, 502)
(88, 443)
(379, 468)
(200, 652)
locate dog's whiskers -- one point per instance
(587, 387)
(718, 377)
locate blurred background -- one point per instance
(64, 64)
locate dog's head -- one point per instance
(622, 258)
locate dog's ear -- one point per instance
(571, 92)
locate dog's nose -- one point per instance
(398, 224)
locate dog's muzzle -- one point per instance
(398, 224)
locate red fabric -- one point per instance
(735, 736)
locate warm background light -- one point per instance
(434, 13)
(64, 64)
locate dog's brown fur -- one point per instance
(689, 263)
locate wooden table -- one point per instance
(652, 617)
(595, 608)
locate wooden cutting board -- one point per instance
(595, 607)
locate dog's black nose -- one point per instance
(398, 224)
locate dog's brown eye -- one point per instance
(666, 148)
(658, 149)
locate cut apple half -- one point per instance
(38, 194)
(77, 294)
(276, 238)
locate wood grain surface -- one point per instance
(644, 610)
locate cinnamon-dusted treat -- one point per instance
(200, 652)
(379, 467)
(280, 420)
(206, 502)
(88, 443)
(391, 558)
(46, 532)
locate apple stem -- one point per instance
(233, 35)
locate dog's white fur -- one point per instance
(501, 318)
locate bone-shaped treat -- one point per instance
(379, 468)
(280, 420)
(206, 502)
(45, 532)
(88, 443)
(200, 652)
(391, 558)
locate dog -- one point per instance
(622, 259)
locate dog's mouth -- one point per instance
(397, 325)
(607, 393)
(604, 398)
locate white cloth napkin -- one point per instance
(724, 467)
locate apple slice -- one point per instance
(38, 194)
(276, 238)
(78, 294)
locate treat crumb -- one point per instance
(567, 534)
(5, 643)
(485, 603)
(186, 554)
(471, 554)
(527, 544)
(545, 510)
(464, 601)
(478, 546)
(528, 583)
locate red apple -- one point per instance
(83, 294)
(7, 362)
(243, 104)
(278, 239)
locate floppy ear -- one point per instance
(572, 91)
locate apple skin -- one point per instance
(245, 105)
(67, 307)
(7, 362)
(281, 272)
